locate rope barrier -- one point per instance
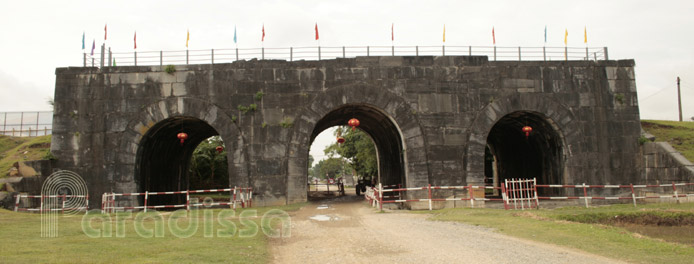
(41, 208)
(518, 193)
(240, 195)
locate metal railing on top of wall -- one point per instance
(26, 124)
(108, 58)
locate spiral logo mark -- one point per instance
(63, 192)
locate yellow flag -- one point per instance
(444, 32)
(566, 34)
(187, 37)
(585, 35)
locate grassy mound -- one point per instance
(14, 149)
(679, 134)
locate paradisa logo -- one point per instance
(183, 224)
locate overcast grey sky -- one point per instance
(39, 36)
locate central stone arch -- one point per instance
(163, 118)
(541, 110)
(383, 103)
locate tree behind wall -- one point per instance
(208, 167)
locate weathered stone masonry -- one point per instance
(439, 109)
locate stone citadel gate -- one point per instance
(434, 120)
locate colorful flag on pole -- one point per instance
(263, 39)
(135, 40)
(234, 34)
(545, 34)
(114, 62)
(444, 33)
(82, 40)
(105, 31)
(187, 37)
(566, 35)
(93, 47)
(585, 35)
(392, 34)
(316, 31)
(493, 37)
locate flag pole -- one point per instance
(392, 38)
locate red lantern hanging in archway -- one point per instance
(182, 136)
(354, 123)
(527, 130)
(340, 140)
(219, 149)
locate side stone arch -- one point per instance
(391, 105)
(560, 117)
(151, 115)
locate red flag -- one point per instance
(493, 37)
(392, 35)
(263, 39)
(316, 31)
(135, 39)
(105, 31)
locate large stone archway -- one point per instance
(557, 118)
(388, 106)
(166, 116)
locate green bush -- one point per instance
(170, 69)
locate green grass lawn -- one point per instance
(553, 226)
(679, 134)
(24, 244)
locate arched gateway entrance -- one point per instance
(510, 154)
(498, 148)
(384, 133)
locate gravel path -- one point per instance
(356, 233)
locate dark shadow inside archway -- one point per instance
(163, 162)
(381, 129)
(510, 154)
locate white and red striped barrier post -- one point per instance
(187, 200)
(244, 195)
(234, 204)
(62, 209)
(250, 198)
(429, 196)
(633, 195)
(471, 195)
(16, 203)
(585, 194)
(537, 200)
(674, 188)
(380, 196)
(86, 208)
(41, 208)
(146, 196)
(504, 196)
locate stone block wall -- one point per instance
(442, 109)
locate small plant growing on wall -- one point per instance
(259, 95)
(619, 98)
(170, 69)
(244, 109)
(253, 107)
(287, 122)
(643, 140)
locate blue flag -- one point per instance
(234, 34)
(82, 40)
(93, 47)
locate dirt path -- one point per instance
(355, 233)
